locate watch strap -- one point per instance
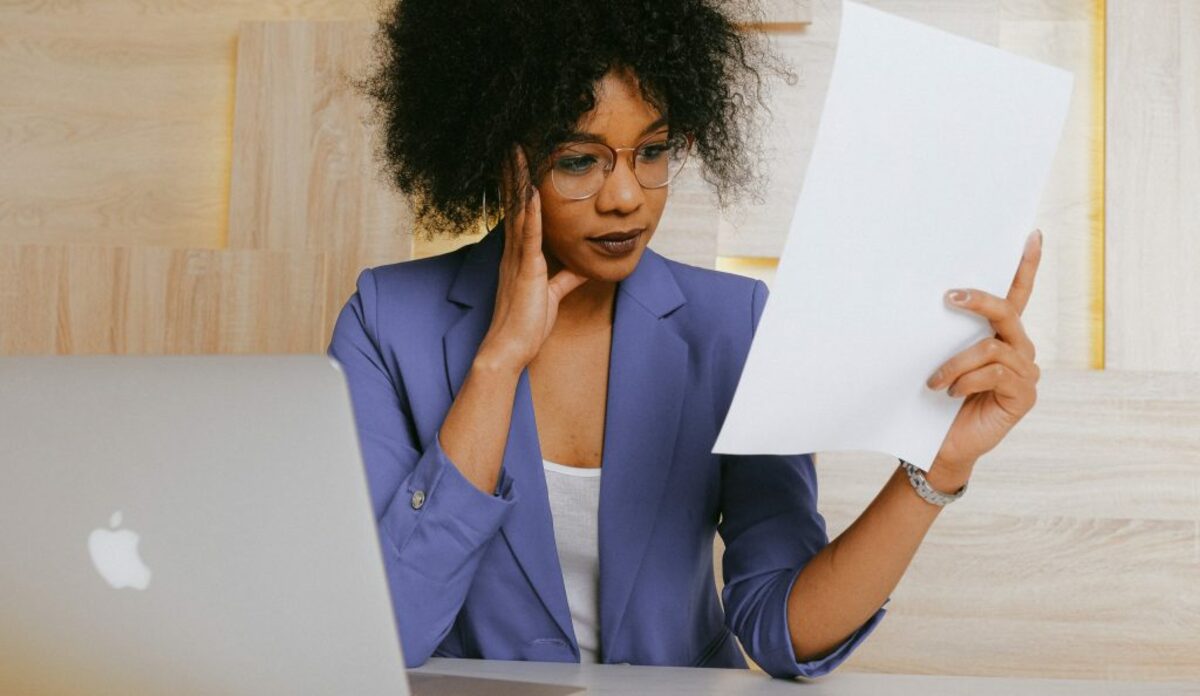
(927, 492)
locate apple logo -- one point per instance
(115, 555)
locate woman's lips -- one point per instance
(619, 245)
(619, 236)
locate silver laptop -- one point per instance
(189, 525)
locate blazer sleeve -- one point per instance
(433, 524)
(771, 529)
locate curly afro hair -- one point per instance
(458, 82)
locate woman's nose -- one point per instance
(621, 190)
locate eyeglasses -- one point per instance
(579, 170)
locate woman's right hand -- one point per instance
(526, 299)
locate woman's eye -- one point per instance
(652, 152)
(577, 164)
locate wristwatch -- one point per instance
(917, 478)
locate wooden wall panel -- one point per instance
(779, 14)
(1059, 317)
(116, 117)
(308, 213)
(1153, 185)
(304, 174)
(1099, 443)
(1075, 552)
(111, 136)
(81, 299)
(272, 135)
(28, 294)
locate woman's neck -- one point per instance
(585, 309)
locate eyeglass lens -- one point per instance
(579, 169)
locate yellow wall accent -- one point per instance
(1096, 217)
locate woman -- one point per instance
(537, 409)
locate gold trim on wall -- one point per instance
(1099, 72)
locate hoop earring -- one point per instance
(483, 215)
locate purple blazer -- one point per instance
(477, 575)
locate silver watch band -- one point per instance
(917, 478)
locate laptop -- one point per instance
(192, 525)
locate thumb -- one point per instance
(564, 282)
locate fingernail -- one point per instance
(1034, 239)
(934, 379)
(959, 296)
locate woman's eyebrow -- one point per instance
(581, 137)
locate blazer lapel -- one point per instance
(646, 380)
(529, 529)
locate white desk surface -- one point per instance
(691, 681)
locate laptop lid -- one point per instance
(187, 525)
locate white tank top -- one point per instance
(575, 505)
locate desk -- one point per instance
(689, 681)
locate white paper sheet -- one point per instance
(929, 161)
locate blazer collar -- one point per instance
(646, 382)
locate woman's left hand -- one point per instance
(997, 375)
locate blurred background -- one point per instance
(197, 176)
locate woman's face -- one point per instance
(621, 118)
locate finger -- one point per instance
(989, 350)
(507, 173)
(532, 229)
(564, 282)
(1002, 315)
(522, 177)
(1022, 285)
(1014, 393)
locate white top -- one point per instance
(575, 506)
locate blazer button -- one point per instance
(418, 500)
